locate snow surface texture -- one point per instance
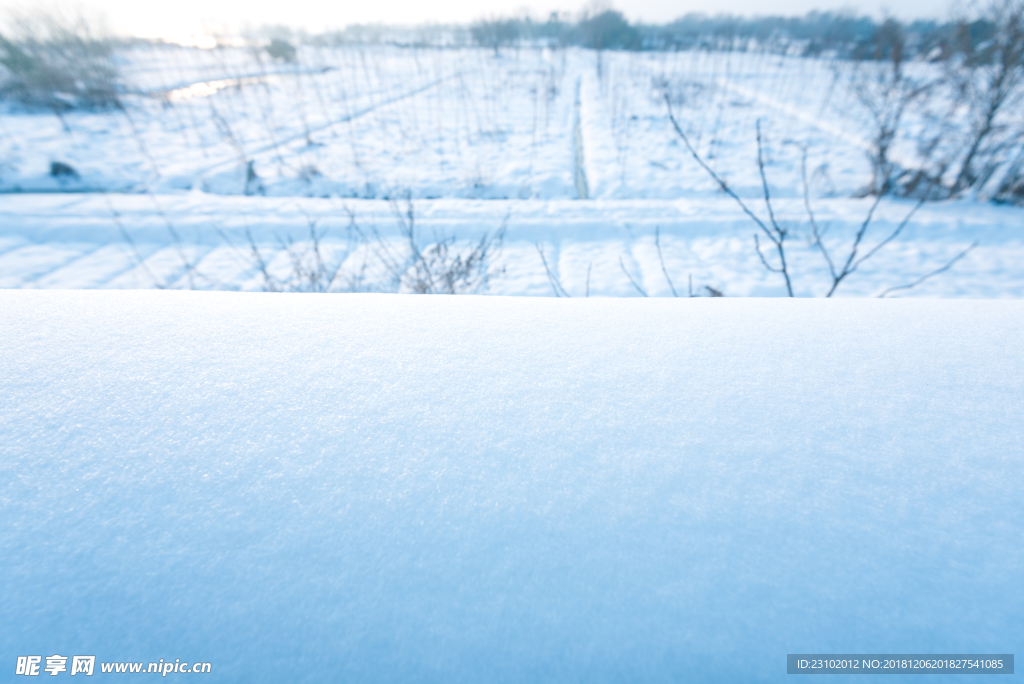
(382, 488)
(581, 158)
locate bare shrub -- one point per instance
(886, 91)
(441, 267)
(309, 270)
(1011, 186)
(282, 51)
(971, 144)
(444, 266)
(839, 269)
(58, 62)
(986, 72)
(775, 232)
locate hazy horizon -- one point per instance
(198, 18)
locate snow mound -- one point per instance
(306, 488)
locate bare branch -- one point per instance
(661, 259)
(776, 234)
(815, 231)
(638, 288)
(847, 270)
(936, 272)
(780, 233)
(892, 235)
(764, 184)
(721, 183)
(555, 285)
(757, 247)
(852, 262)
(268, 281)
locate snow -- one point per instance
(359, 487)
(200, 241)
(366, 122)
(576, 152)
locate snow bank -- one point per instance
(201, 241)
(384, 488)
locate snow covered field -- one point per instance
(370, 487)
(70, 241)
(365, 487)
(221, 160)
(370, 121)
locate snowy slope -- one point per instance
(383, 488)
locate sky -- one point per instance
(202, 17)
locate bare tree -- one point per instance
(987, 75)
(884, 89)
(496, 33)
(58, 60)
